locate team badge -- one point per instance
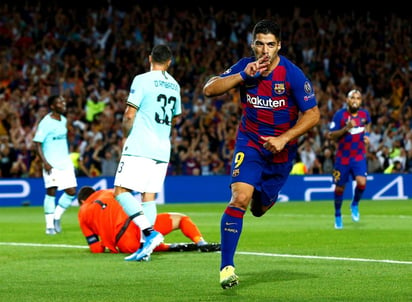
(235, 173)
(279, 88)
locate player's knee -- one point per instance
(240, 200)
(339, 189)
(71, 191)
(240, 197)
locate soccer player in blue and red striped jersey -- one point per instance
(278, 105)
(350, 126)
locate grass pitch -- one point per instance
(293, 253)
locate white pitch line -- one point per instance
(45, 245)
(241, 253)
(326, 258)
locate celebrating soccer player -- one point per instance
(350, 126)
(279, 105)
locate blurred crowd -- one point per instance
(90, 55)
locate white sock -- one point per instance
(142, 222)
(150, 210)
(58, 212)
(49, 221)
(132, 206)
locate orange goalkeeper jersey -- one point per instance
(102, 221)
(105, 225)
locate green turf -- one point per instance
(293, 253)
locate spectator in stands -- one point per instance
(374, 165)
(69, 53)
(408, 163)
(375, 138)
(395, 167)
(107, 156)
(327, 160)
(94, 106)
(7, 156)
(383, 156)
(307, 154)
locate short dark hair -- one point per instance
(161, 53)
(267, 26)
(51, 100)
(84, 193)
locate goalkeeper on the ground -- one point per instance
(108, 228)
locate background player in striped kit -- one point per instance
(350, 126)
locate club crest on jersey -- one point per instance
(279, 88)
(235, 173)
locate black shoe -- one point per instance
(182, 247)
(209, 247)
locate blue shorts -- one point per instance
(341, 172)
(250, 166)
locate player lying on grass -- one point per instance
(107, 227)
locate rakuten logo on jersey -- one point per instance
(258, 102)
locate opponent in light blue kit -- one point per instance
(278, 105)
(350, 127)
(58, 169)
(153, 103)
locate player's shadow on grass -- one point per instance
(270, 276)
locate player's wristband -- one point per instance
(367, 134)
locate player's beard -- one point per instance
(353, 109)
